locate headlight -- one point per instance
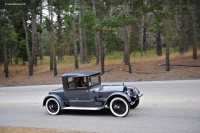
(130, 92)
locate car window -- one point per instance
(77, 83)
(94, 80)
(71, 84)
(81, 82)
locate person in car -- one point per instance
(80, 82)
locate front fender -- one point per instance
(135, 91)
(56, 97)
(118, 94)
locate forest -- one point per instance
(90, 30)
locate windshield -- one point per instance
(94, 80)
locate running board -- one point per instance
(83, 108)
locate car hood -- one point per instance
(112, 88)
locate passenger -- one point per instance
(82, 82)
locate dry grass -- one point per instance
(43, 67)
(13, 70)
(146, 58)
(33, 130)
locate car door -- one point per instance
(78, 95)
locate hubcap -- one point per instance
(52, 106)
(119, 107)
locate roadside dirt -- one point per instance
(142, 70)
(33, 130)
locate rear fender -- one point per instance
(56, 97)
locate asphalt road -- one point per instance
(166, 107)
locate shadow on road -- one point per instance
(104, 112)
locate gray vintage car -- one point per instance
(82, 90)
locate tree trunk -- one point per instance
(34, 30)
(5, 57)
(181, 28)
(186, 41)
(55, 64)
(127, 38)
(27, 46)
(85, 46)
(159, 44)
(126, 58)
(194, 18)
(53, 50)
(59, 20)
(41, 40)
(167, 68)
(51, 35)
(102, 52)
(141, 36)
(34, 36)
(80, 33)
(96, 34)
(128, 34)
(75, 45)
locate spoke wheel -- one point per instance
(52, 106)
(119, 107)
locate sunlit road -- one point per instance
(166, 107)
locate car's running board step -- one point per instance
(83, 108)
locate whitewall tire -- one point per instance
(52, 106)
(119, 107)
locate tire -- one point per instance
(135, 104)
(52, 106)
(119, 107)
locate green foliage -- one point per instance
(48, 24)
(117, 21)
(21, 51)
(68, 19)
(155, 24)
(88, 20)
(114, 43)
(39, 28)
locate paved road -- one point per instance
(166, 107)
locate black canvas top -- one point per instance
(81, 73)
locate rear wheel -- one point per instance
(52, 106)
(119, 107)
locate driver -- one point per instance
(80, 82)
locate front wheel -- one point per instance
(52, 106)
(119, 107)
(136, 103)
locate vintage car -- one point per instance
(82, 90)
